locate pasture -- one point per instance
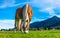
(31, 34)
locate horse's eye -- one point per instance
(26, 20)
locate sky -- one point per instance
(42, 10)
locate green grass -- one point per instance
(32, 34)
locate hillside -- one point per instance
(53, 22)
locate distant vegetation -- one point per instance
(32, 34)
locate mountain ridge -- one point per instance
(51, 22)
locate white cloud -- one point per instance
(7, 3)
(47, 5)
(58, 16)
(11, 3)
(6, 24)
(50, 11)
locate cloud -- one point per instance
(6, 24)
(58, 16)
(11, 3)
(47, 5)
(49, 10)
(7, 3)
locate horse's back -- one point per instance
(19, 12)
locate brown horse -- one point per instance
(23, 18)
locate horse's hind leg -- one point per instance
(17, 24)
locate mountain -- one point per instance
(51, 22)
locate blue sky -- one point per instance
(42, 10)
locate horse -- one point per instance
(23, 17)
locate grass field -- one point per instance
(32, 34)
